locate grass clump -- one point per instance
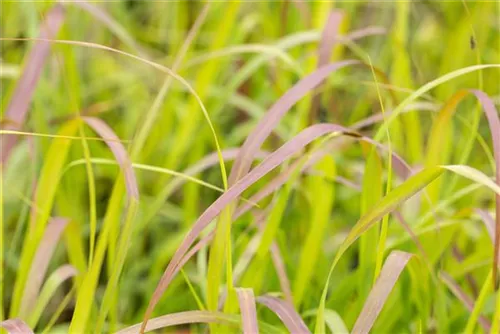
(259, 167)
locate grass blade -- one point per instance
(271, 162)
(388, 204)
(157, 66)
(326, 44)
(40, 264)
(393, 266)
(248, 310)
(372, 192)
(16, 326)
(474, 175)
(319, 219)
(424, 89)
(494, 124)
(45, 193)
(58, 277)
(188, 317)
(108, 234)
(119, 152)
(267, 124)
(285, 312)
(19, 103)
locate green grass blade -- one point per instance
(44, 198)
(397, 196)
(320, 217)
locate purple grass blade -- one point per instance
(304, 11)
(272, 161)
(464, 298)
(293, 146)
(40, 263)
(330, 32)
(279, 265)
(181, 318)
(489, 223)
(66, 271)
(286, 313)
(248, 309)
(393, 266)
(119, 151)
(17, 108)
(16, 326)
(494, 124)
(268, 189)
(400, 166)
(275, 114)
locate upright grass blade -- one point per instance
(20, 100)
(44, 198)
(372, 192)
(401, 76)
(124, 243)
(478, 305)
(393, 266)
(285, 312)
(57, 313)
(40, 264)
(328, 36)
(320, 216)
(153, 112)
(438, 145)
(58, 277)
(385, 220)
(123, 160)
(111, 224)
(248, 310)
(16, 326)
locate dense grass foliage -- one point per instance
(281, 166)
